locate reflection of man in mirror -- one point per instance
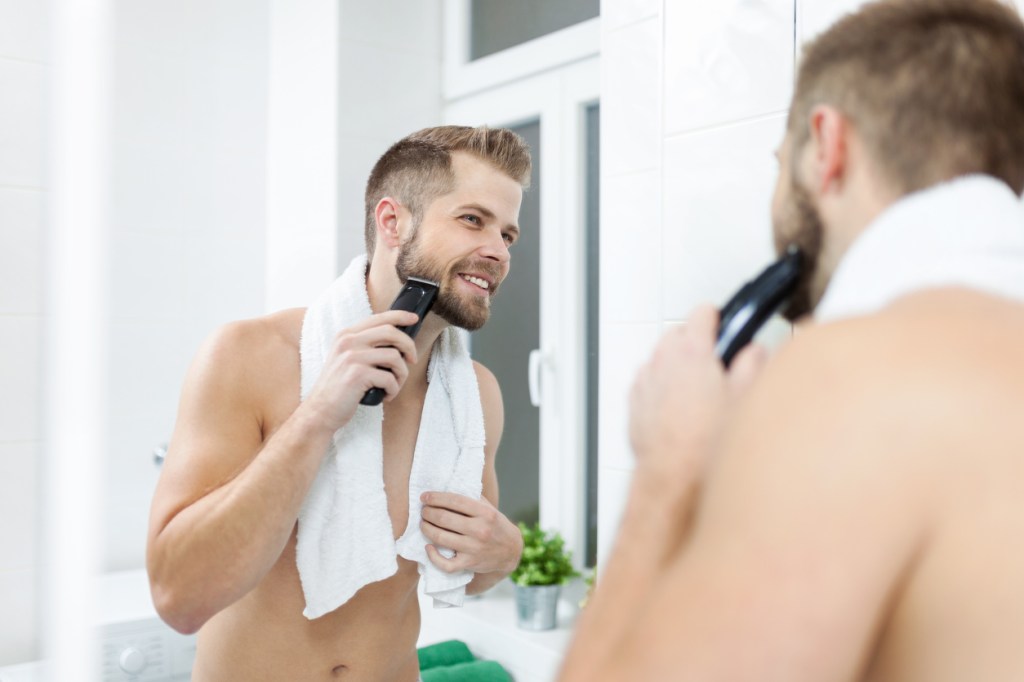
(291, 525)
(853, 509)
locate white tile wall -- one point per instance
(382, 94)
(187, 252)
(18, 594)
(356, 154)
(632, 250)
(23, 29)
(19, 377)
(624, 348)
(717, 215)
(389, 87)
(631, 106)
(21, 233)
(726, 77)
(22, 122)
(618, 13)
(18, 492)
(23, 116)
(612, 492)
(412, 27)
(726, 61)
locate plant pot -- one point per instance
(537, 606)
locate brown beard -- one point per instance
(468, 312)
(805, 230)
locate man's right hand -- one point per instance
(373, 353)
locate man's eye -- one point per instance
(509, 239)
(472, 218)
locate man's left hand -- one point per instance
(483, 538)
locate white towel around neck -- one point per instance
(967, 232)
(345, 537)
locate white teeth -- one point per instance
(482, 283)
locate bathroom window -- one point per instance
(497, 25)
(492, 42)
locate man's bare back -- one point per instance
(857, 519)
(956, 610)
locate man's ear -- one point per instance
(387, 218)
(830, 131)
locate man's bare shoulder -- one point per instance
(246, 361)
(898, 382)
(255, 342)
(941, 339)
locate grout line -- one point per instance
(22, 188)
(21, 60)
(727, 124)
(633, 22)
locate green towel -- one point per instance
(477, 671)
(450, 652)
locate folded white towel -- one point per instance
(967, 232)
(345, 537)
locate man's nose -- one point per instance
(495, 248)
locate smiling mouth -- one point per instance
(477, 281)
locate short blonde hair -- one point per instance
(418, 168)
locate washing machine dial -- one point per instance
(132, 660)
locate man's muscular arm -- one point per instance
(485, 541)
(228, 499)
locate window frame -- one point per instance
(462, 76)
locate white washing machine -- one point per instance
(135, 645)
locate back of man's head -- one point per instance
(418, 168)
(935, 88)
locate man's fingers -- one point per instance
(442, 537)
(746, 366)
(457, 503)
(452, 565)
(702, 327)
(444, 518)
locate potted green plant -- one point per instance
(543, 568)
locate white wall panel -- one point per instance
(22, 122)
(624, 348)
(631, 107)
(400, 25)
(382, 94)
(18, 494)
(18, 626)
(19, 379)
(23, 29)
(717, 211)
(726, 61)
(631, 247)
(612, 492)
(21, 233)
(618, 13)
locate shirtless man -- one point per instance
(245, 451)
(852, 508)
